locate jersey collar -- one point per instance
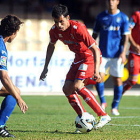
(118, 11)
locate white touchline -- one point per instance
(137, 125)
(125, 117)
(133, 108)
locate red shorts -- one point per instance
(134, 64)
(80, 71)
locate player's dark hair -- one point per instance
(9, 25)
(59, 10)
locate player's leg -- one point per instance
(100, 86)
(118, 89)
(91, 100)
(134, 69)
(73, 98)
(79, 73)
(131, 81)
(116, 71)
(7, 107)
(100, 91)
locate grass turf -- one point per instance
(52, 118)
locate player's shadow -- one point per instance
(38, 131)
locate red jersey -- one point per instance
(135, 25)
(78, 40)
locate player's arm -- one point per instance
(49, 54)
(132, 23)
(7, 83)
(96, 28)
(96, 52)
(125, 36)
(125, 43)
(134, 45)
(95, 35)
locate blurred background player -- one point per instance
(134, 54)
(9, 28)
(113, 27)
(87, 55)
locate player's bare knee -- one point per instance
(65, 89)
(77, 87)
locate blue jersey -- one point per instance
(111, 28)
(3, 55)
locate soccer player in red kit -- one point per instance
(85, 65)
(134, 54)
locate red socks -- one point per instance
(75, 102)
(90, 99)
(90, 81)
(128, 85)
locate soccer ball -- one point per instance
(85, 122)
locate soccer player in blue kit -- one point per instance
(9, 28)
(113, 27)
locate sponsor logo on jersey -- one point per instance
(3, 60)
(111, 28)
(105, 18)
(70, 42)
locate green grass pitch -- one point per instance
(52, 118)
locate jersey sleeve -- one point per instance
(125, 25)
(53, 37)
(96, 28)
(83, 35)
(3, 61)
(133, 20)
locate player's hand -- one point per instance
(136, 48)
(96, 77)
(43, 75)
(123, 57)
(22, 105)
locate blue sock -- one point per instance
(100, 90)
(7, 108)
(117, 96)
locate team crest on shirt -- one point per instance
(4, 52)
(3, 60)
(74, 26)
(118, 19)
(60, 35)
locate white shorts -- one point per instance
(1, 85)
(114, 64)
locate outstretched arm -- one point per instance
(49, 54)
(9, 86)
